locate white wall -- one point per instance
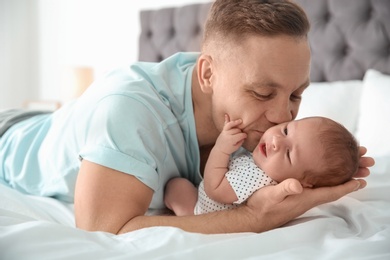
(48, 36)
(19, 71)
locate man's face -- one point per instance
(260, 80)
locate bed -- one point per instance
(350, 41)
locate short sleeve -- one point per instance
(124, 134)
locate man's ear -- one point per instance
(205, 72)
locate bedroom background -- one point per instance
(40, 39)
(43, 43)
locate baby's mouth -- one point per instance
(263, 149)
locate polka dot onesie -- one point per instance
(245, 178)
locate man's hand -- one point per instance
(364, 163)
(281, 203)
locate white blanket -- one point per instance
(354, 227)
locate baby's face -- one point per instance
(289, 149)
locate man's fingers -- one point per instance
(328, 194)
(362, 184)
(366, 162)
(362, 150)
(362, 173)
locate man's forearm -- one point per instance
(227, 221)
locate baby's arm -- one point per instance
(216, 185)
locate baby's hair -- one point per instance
(236, 19)
(340, 155)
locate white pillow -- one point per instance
(373, 129)
(338, 100)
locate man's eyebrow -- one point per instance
(305, 84)
(263, 84)
(273, 84)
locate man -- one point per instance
(142, 125)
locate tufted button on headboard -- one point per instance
(347, 37)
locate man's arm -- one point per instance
(111, 201)
(106, 199)
(272, 207)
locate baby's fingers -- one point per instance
(232, 124)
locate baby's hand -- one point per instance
(231, 137)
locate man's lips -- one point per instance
(263, 149)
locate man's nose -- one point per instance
(280, 113)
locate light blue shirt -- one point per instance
(138, 120)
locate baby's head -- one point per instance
(340, 155)
(317, 151)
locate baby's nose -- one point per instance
(276, 142)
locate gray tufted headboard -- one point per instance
(347, 37)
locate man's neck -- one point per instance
(205, 128)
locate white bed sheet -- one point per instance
(354, 227)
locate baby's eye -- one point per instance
(285, 131)
(288, 155)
